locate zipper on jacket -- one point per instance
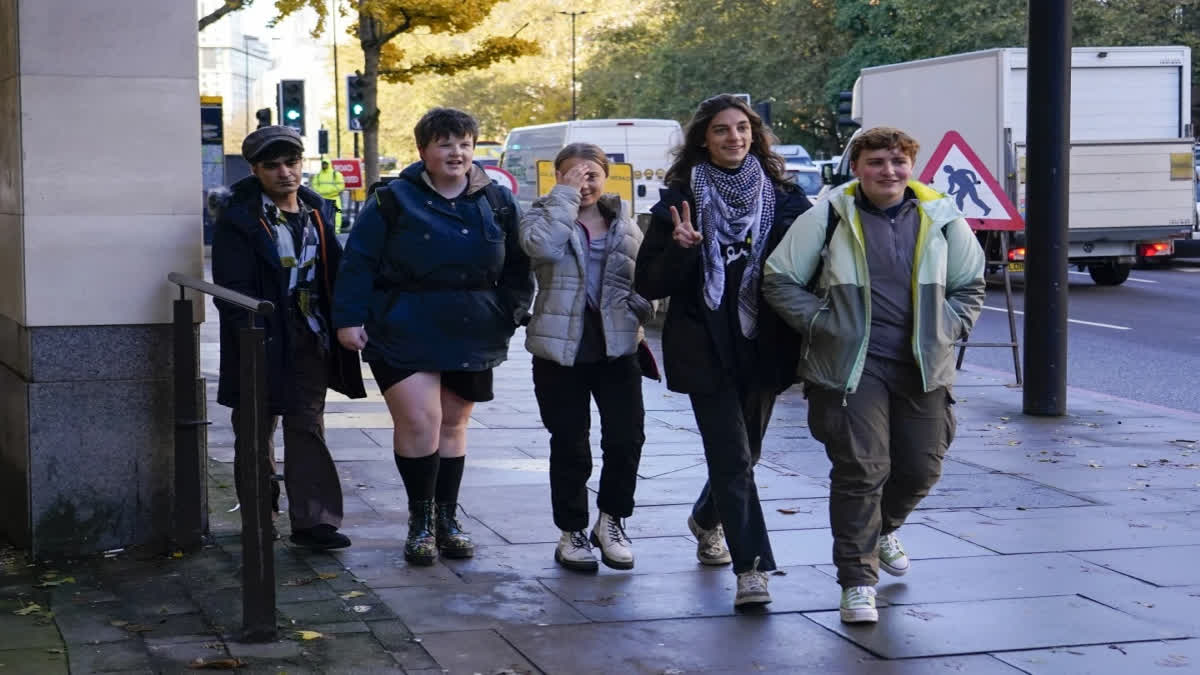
(812, 322)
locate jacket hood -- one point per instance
(248, 191)
(477, 179)
(937, 206)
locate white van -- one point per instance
(644, 143)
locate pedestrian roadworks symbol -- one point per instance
(956, 170)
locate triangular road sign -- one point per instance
(956, 170)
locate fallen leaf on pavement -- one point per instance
(138, 628)
(30, 609)
(352, 594)
(1138, 465)
(309, 635)
(49, 583)
(1095, 465)
(361, 609)
(216, 664)
(54, 651)
(118, 623)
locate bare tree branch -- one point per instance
(226, 8)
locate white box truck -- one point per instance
(646, 144)
(1131, 184)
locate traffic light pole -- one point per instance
(1048, 115)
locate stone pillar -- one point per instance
(100, 198)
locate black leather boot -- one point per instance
(451, 540)
(421, 546)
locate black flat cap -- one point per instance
(259, 139)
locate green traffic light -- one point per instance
(293, 115)
(357, 108)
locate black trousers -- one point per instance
(564, 396)
(886, 445)
(732, 422)
(313, 489)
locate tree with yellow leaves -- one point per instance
(379, 22)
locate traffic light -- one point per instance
(844, 110)
(323, 141)
(356, 106)
(291, 104)
(263, 115)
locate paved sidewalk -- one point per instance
(1049, 546)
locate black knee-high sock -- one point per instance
(419, 475)
(450, 472)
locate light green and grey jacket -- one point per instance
(947, 287)
(555, 244)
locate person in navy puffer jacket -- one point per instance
(432, 286)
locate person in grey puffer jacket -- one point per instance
(584, 337)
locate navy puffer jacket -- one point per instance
(441, 289)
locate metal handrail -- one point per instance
(255, 305)
(252, 480)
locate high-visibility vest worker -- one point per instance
(330, 183)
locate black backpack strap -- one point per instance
(388, 207)
(500, 206)
(830, 225)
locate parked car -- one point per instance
(793, 154)
(488, 153)
(808, 177)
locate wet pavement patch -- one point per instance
(941, 629)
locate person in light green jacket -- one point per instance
(880, 303)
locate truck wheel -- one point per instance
(1109, 274)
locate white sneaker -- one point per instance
(892, 558)
(615, 548)
(574, 552)
(710, 544)
(858, 605)
(752, 588)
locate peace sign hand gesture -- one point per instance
(685, 233)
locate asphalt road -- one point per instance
(1139, 340)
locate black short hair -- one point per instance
(443, 123)
(278, 150)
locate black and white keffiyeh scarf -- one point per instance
(730, 208)
(301, 265)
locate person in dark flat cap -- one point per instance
(274, 240)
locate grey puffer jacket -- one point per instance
(555, 244)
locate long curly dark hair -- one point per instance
(692, 152)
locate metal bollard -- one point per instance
(258, 556)
(188, 519)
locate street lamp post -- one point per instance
(573, 15)
(337, 104)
